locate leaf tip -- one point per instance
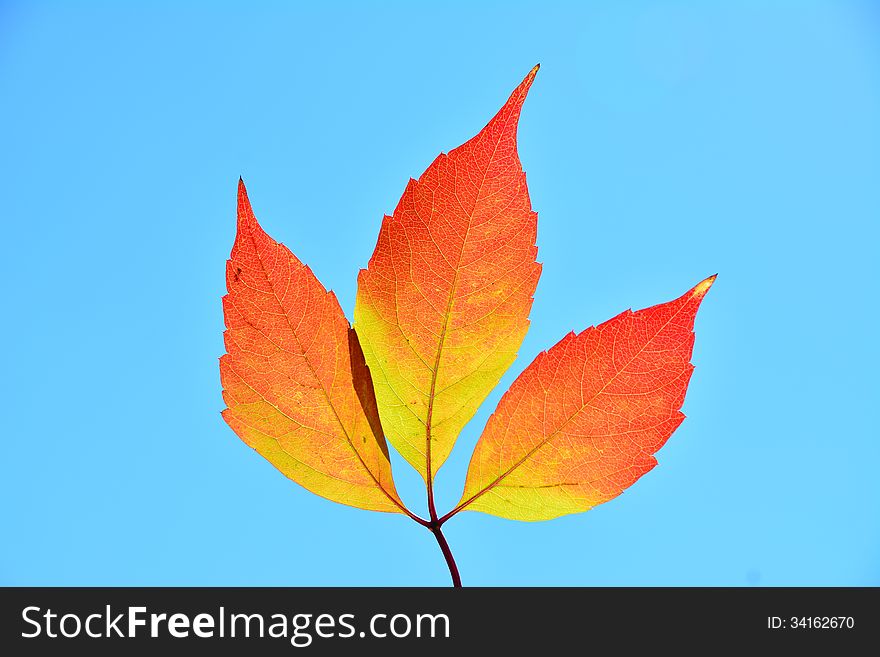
(530, 77)
(703, 286)
(245, 212)
(517, 98)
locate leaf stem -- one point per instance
(443, 519)
(418, 519)
(432, 510)
(429, 479)
(447, 554)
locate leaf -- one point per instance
(294, 379)
(443, 305)
(441, 310)
(583, 421)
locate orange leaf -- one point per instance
(443, 306)
(294, 379)
(583, 421)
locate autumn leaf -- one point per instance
(294, 380)
(441, 310)
(582, 422)
(443, 305)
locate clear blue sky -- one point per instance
(664, 141)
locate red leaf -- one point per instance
(583, 421)
(443, 306)
(293, 376)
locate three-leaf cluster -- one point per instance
(441, 311)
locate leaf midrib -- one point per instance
(450, 301)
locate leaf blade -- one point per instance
(291, 377)
(443, 304)
(547, 451)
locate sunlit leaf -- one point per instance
(583, 421)
(294, 380)
(443, 306)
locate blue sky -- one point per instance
(663, 141)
